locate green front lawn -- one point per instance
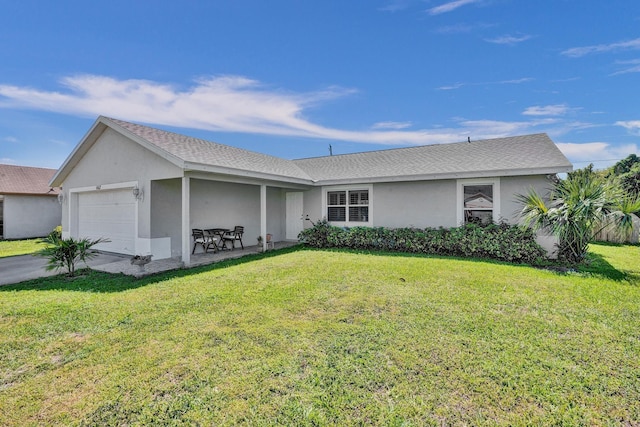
(20, 247)
(311, 337)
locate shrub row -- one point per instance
(496, 241)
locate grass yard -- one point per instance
(20, 247)
(310, 337)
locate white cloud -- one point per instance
(462, 28)
(548, 110)
(11, 139)
(239, 104)
(7, 161)
(633, 126)
(391, 125)
(584, 151)
(502, 82)
(509, 40)
(601, 154)
(394, 6)
(634, 67)
(452, 87)
(516, 81)
(450, 6)
(577, 52)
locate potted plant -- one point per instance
(260, 244)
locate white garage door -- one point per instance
(110, 214)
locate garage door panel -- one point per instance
(111, 215)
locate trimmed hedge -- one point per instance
(501, 242)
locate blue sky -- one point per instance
(291, 77)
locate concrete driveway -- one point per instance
(17, 269)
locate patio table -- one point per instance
(219, 234)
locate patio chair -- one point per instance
(233, 236)
(202, 239)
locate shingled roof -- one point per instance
(26, 180)
(199, 151)
(518, 155)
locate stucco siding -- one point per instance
(166, 221)
(276, 217)
(511, 186)
(415, 204)
(312, 201)
(30, 216)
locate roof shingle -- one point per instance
(518, 153)
(208, 153)
(26, 180)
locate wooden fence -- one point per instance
(610, 235)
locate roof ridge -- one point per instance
(423, 145)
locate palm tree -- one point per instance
(577, 209)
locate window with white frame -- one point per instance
(478, 201)
(478, 204)
(348, 206)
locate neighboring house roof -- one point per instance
(478, 200)
(519, 155)
(26, 180)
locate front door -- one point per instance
(294, 215)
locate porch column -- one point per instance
(263, 216)
(186, 216)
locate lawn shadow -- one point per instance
(87, 280)
(597, 265)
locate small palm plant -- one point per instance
(577, 209)
(64, 254)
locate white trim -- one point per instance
(263, 216)
(368, 187)
(186, 220)
(460, 183)
(113, 186)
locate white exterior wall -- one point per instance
(419, 204)
(312, 202)
(166, 221)
(510, 186)
(30, 216)
(276, 213)
(113, 160)
(423, 204)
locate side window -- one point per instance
(478, 204)
(478, 201)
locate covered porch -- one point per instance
(207, 201)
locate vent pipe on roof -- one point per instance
(330, 150)
(469, 139)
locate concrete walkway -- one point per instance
(124, 266)
(20, 268)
